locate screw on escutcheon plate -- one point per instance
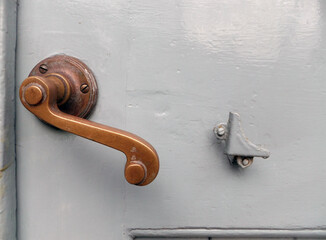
(84, 88)
(43, 68)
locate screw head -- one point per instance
(43, 68)
(245, 162)
(84, 88)
(220, 131)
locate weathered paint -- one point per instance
(7, 119)
(168, 70)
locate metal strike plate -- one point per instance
(238, 148)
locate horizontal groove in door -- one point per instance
(223, 238)
(171, 238)
(227, 234)
(238, 238)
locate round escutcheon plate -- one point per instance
(81, 79)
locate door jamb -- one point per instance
(8, 20)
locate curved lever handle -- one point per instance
(40, 95)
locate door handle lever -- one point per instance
(61, 91)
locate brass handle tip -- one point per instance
(135, 173)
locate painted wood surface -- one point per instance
(168, 71)
(7, 119)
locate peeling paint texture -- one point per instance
(7, 119)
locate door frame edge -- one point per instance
(8, 203)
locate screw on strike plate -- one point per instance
(84, 88)
(243, 161)
(43, 68)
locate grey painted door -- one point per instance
(168, 71)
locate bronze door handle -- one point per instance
(61, 90)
